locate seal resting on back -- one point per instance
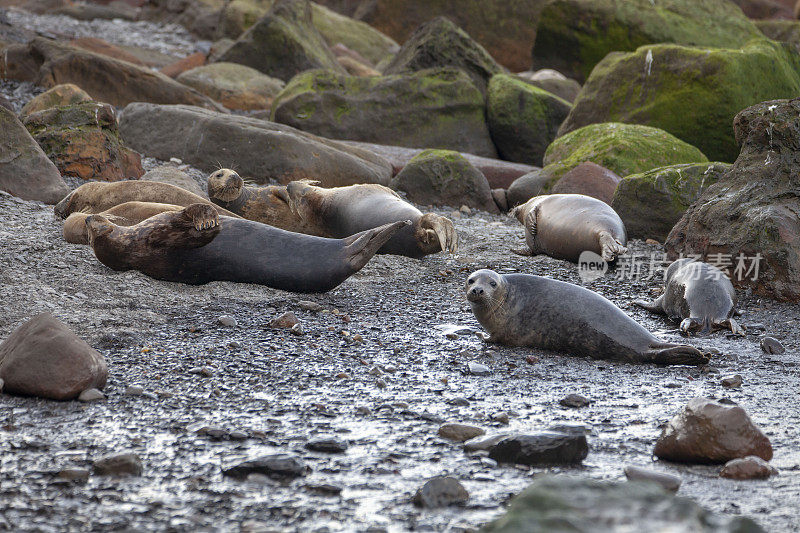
(195, 245)
(527, 310)
(700, 294)
(127, 214)
(96, 197)
(341, 211)
(565, 225)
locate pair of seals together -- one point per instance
(527, 310)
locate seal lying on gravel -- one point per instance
(96, 197)
(195, 245)
(700, 294)
(127, 214)
(565, 225)
(341, 211)
(267, 204)
(526, 310)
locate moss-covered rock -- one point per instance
(506, 29)
(523, 119)
(444, 177)
(561, 504)
(624, 149)
(239, 15)
(652, 202)
(435, 108)
(65, 94)
(234, 86)
(283, 43)
(784, 31)
(693, 93)
(83, 141)
(25, 170)
(574, 35)
(440, 43)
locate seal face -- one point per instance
(195, 245)
(698, 293)
(565, 225)
(268, 204)
(127, 214)
(527, 310)
(341, 211)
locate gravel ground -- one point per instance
(385, 395)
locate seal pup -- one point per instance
(565, 225)
(99, 196)
(267, 204)
(127, 214)
(527, 310)
(700, 294)
(195, 245)
(341, 211)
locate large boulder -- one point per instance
(589, 179)
(234, 86)
(25, 170)
(44, 358)
(239, 15)
(652, 202)
(104, 78)
(553, 82)
(442, 177)
(83, 141)
(523, 119)
(751, 212)
(440, 43)
(435, 108)
(258, 149)
(767, 9)
(506, 29)
(65, 94)
(622, 148)
(574, 35)
(283, 43)
(711, 432)
(99, 46)
(174, 176)
(570, 504)
(693, 93)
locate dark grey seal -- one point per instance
(700, 294)
(526, 310)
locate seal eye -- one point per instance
(471, 281)
(493, 283)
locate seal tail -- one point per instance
(676, 354)
(610, 247)
(362, 246)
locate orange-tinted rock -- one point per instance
(711, 432)
(173, 70)
(65, 94)
(590, 179)
(44, 358)
(99, 46)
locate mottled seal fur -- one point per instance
(565, 225)
(341, 211)
(127, 214)
(96, 197)
(698, 293)
(195, 245)
(527, 310)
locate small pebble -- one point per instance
(297, 329)
(287, 320)
(750, 467)
(73, 474)
(459, 432)
(309, 306)
(91, 395)
(134, 390)
(227, 321)
(772, 345)
(118, 465)
(574, 401)
(477, 369)
(441, 492)
(732, 381)
(202, 371)
(465, 209)
(669, 481)
(501, 417)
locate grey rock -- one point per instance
(541, 449)
(574, 400)
(274, 466)
(441, 492)
(771, 345)
(670, 482)
(459, 432)
(91, 395)
(327, 445)
(121, 464)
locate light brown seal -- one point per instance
(566, 225)
(526, 310)
(341, 211)
(195, 245)
(700, 294)
(127, 214)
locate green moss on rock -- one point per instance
(652, 202)
(523, 119)
(434, 108)
(693, 93)
(574, 35)
(234, 86)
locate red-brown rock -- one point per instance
(750, 467)
(173, 70)
(711, 432)
(44, 358)
(590, 179)
(99, 46)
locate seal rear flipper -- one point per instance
(360, 248)
(610, 247)
(675, 354)
(656, 306)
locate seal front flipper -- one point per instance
(656, 306)
(192, 227)
(675, 354)
(438, 229)
(202, 216)
(734, 326)
(610, 247)
(360, 248)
